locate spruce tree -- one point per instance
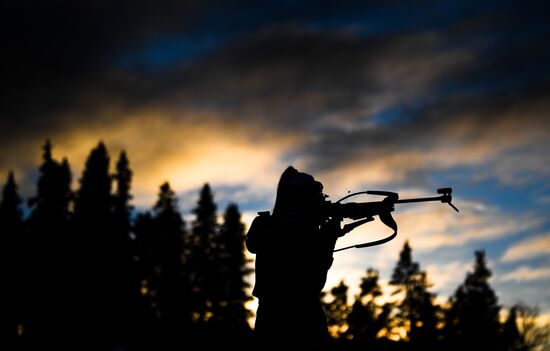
(50, 252)
(169, 229)
(472, 321)
(95, 252)
(232, 315)
(122, 197)
(12, 266)
(126, 289)
(201, 257)
(416, 313)
(406, 269)
(93, 202)
(50, 207)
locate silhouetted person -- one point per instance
(293, 248)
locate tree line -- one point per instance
(83, 269)
(469, 320)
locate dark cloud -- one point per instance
(291, 77)
(503, 137)
(342, 76)
(63, 55)
(55, 51)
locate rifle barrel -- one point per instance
(419, 199)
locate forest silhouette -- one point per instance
(82, 269)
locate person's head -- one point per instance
(298, 191)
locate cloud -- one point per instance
(187, 151)
(527, 274)
(532, 247)
(507, 145)
(446, 276)
(335, 104)
(329, 88)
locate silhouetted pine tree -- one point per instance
(122, 196)
(171, 289)
(337, 308)
(125, 290)
(367, 318)
(50, 253)
(231, 315)
(472, 321)
(96, 253)
(12, 267)
(416, 312)
(201, 257)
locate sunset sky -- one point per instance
(364, 95)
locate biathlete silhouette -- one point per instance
(294, 246)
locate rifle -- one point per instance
(363, 212)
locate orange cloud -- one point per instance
(525, 273)
(186, 151)
(533, 247)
